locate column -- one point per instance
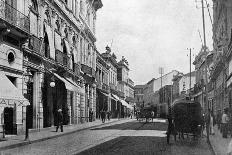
(40, 105)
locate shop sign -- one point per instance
(10, 103)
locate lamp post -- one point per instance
(27, 77)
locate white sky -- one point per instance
(152, 34)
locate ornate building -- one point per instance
(55, 46)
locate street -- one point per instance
(122, 137)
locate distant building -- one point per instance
(152, 90)
(139, 95)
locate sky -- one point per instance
(152, 34)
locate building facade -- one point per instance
(58, 52)
(139, 96)
(103, 89)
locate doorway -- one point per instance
(8, 120)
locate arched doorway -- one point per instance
(8, 120)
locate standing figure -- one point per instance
(170, 129)
(225, 120)
(219, 119)
(212, 122)
(108, 115)
(59, 120)
(152, 115)
(103, 116)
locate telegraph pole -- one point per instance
(206, 77)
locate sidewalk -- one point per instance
(219, 144)
(48, 133)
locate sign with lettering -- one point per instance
(10, 103)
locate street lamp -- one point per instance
(27, 77)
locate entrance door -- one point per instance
(8, 120)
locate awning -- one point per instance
(80, 90)
(116, 97)
(9, 94)
(126, 104)
(68, 85)
(104, 94)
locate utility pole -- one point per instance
(206, 76)
(190, 69)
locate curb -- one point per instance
(22, 143)
(212, 148)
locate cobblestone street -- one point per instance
(123, 137)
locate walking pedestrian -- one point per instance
(59, 120)
(212, 122)
(225, 120)
(103, 116)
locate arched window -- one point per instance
(46, 44)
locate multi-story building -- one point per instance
(59, 56)
(199, 93)
(139, 96)
(14, 32)
(125, 85)
(114, 104)
(152, 90)
(103, 89)
(185, 86)
(222, 41)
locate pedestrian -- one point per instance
(108, 115)
(170, 129)
(103, 116)
(59, 120)
(131, 115)
(212, 122)
(90, 115)
(225, 120)
(219, 119)
(152, 115)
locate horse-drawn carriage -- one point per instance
(146, 113)
(186, 118)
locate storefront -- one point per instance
(12, 105)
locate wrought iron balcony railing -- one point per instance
(35, 45)
(14, 17)
(62, 58)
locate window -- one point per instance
(46, 44)
(76, 8)
(81, 7)
(88, 17)
(57, 26)
(34, 5)
(66, 33)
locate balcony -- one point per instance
(88, 70)
(113, 87)
(62, 58)
(105, 87)
(35, 45)
(14, 17)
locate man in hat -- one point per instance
(59, 120)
